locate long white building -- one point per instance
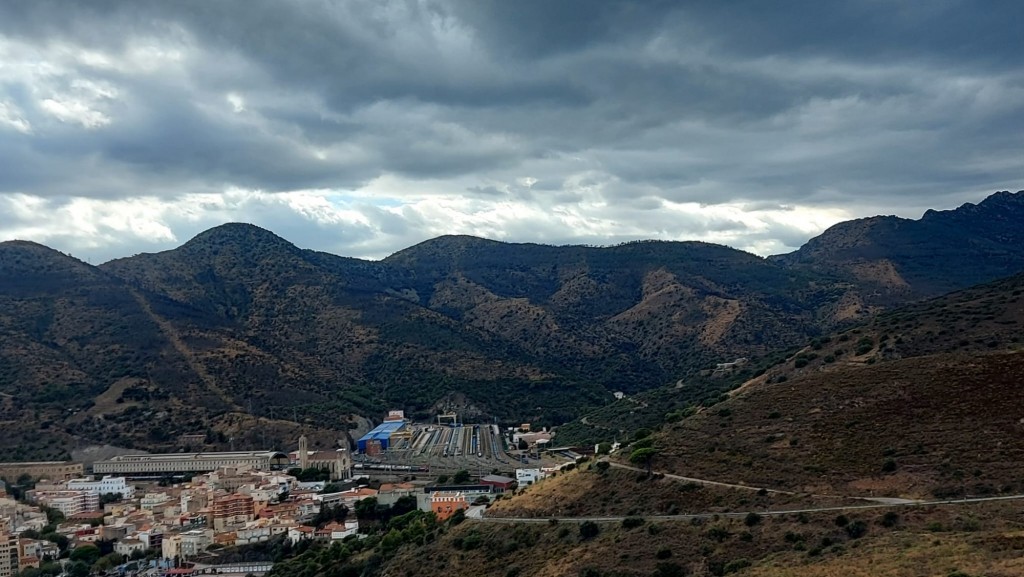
(103, 486)
(167, 463)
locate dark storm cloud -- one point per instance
(459, 110)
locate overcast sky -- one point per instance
(361, 128)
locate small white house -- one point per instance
(526, 477)
(300, 533)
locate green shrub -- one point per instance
(792, 537)
(857, 529)
(890, 519)
(719, 534)
(632, 522)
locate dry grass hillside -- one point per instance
(980, 319)
(944, 425)
(958, 540)
(591, 491)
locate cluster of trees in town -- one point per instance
(388, 528)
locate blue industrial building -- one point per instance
(379, 439)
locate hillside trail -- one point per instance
(742, 514)
(872, 503)
(175, 339)
(710, 483)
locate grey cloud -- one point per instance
(866, 106)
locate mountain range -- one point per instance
(238, 324)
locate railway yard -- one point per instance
(442, 448)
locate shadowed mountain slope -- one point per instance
(240, 320)
(894, 259)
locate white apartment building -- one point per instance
(69, 503)
(528, 476)
(103, 486)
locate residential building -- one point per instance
(300, 533)
(128, 546)
(231, 478)
(152, 538)
(115, 532)
(8, 555)
(337, 531)
(195, 542)
(106, 485)
(232, 510)
(194, 500)
(69, 503)
(170, 546)
(151, 501)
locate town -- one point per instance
(179, 514)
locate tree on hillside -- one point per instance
(366, 508)
(643, 456)
(461, 476)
